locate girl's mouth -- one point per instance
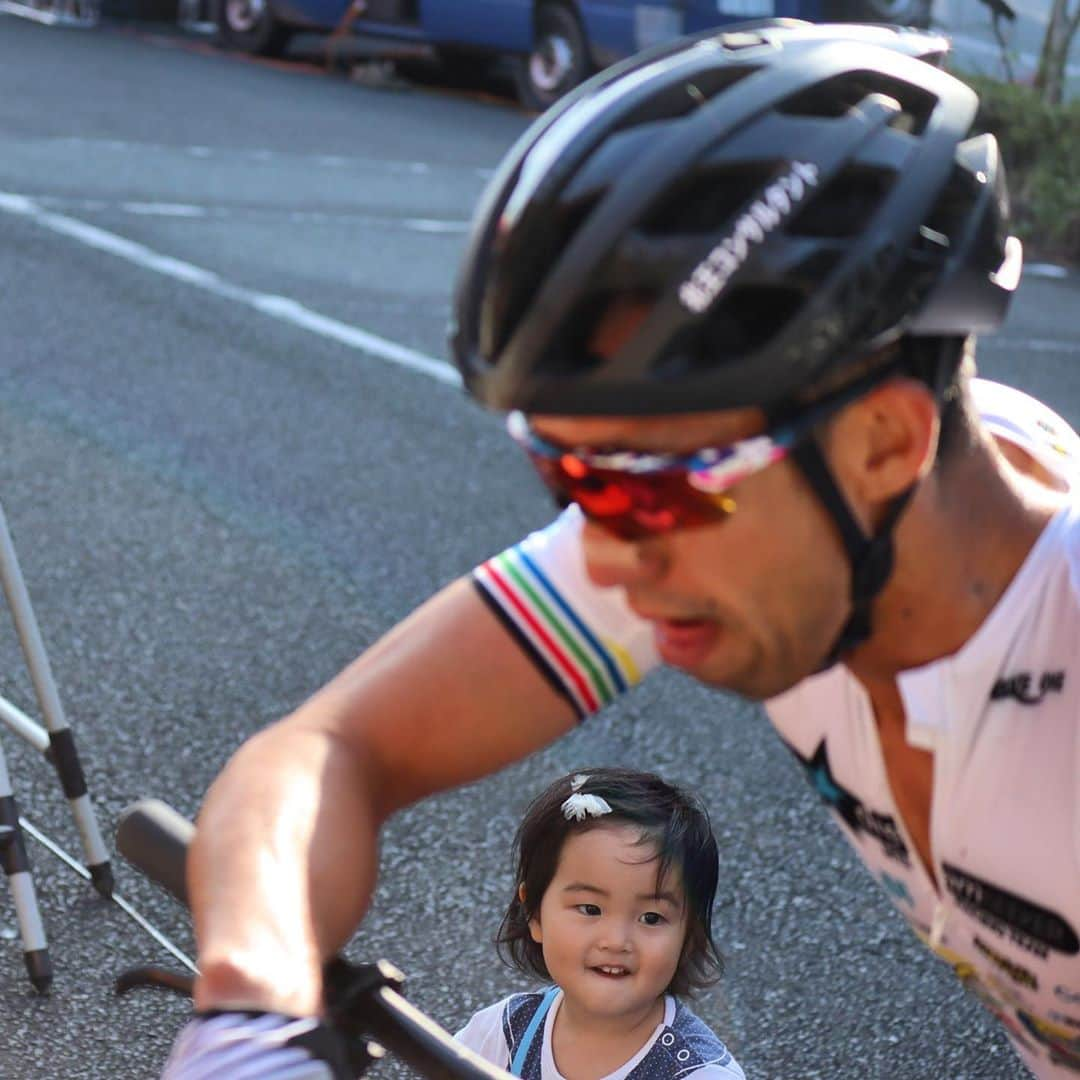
(611, 972)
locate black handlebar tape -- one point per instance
(418, 1041)
(153, 837)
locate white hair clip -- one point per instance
(580, 806)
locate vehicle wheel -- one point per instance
(252, 27)
(898, 12)
(559, 59)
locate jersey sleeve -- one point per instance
(584, 639)
(483, 1035)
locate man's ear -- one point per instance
(884, 442)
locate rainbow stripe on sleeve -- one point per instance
(590, 670)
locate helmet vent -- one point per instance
(597, 328)
(743, 321)
(836, 97)
(686, 95)
(815, 268)
(527, 267)
(706, 200)
(846, 205)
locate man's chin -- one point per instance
(752, 681)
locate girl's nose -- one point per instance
(614, 936)
(611, 560)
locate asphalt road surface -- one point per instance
(233, 455)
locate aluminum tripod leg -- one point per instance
(61, 743)
(17, 868)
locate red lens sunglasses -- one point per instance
(635, 494)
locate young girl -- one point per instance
(616, 874)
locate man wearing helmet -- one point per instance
(727, 293)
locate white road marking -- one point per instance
(263, 154)
(1022, 345)
(1046, 270)
(163, 209)
(282, 308)
(225, 213)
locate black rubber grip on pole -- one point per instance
(13, 855)
(153, 837)
(39, 968)
(65, 759)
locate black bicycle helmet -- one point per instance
(779, 201)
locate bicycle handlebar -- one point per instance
(362, 1001)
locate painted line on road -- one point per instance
(182, 210)
(1022, 345)
(193, 211)
(1046, 270)
(282, 308)
(263, 154)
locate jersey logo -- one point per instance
(1034, 928)
(1021, 687)
(1064, 1018)
(897, 889)
(851, 810)
(1017, 972)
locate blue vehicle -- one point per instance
(552, 45)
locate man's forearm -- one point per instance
(281, 870)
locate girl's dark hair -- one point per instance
(671, 819)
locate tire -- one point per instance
(898, 12)
(559, 59)
(251, 26)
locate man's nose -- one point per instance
(611, 560)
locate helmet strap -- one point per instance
(870, 557)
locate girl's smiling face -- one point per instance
(611, 933)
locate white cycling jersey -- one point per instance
(1002, 900)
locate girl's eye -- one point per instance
(653, 918)
(588, 909)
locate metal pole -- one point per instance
(17, 868)
(61, 741)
